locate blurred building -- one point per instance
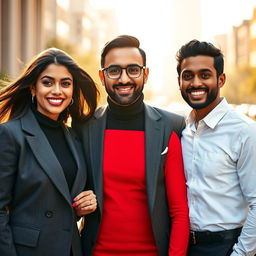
(253, 39)
(242, 43)
(239, 47)
(29, 26)
(21, 33)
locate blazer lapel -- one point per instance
(44, 153)
(154, 139)
(96, 131)
(80, 179)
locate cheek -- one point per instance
(69, 93)
(109, 83)
(40, 92)
(183, 84)
(139, 81)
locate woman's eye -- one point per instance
(66, 84)
(46, 82)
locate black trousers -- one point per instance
(213, 243)
(215, 249)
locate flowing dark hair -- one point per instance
(16, 98)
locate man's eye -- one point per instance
(133, 70)
(187, 76)
(205, 75)
(114, 70)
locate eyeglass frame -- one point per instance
(131, 65)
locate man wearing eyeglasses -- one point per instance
(134, 156)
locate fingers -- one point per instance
(83, 210)
(85, 203)
(86, 200)
(87, 193)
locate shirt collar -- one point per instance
(213, 118)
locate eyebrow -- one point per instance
(200, 70)
(52, 78)
(205, 70)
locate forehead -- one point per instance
(197, 63)
(55, 70)
(123, 56)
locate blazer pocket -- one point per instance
(25, 236)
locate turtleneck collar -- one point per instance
(44, 120)
(126, 112)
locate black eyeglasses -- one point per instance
(115, 71)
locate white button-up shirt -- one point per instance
(220, 167)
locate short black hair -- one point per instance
(194, 48)
(119, 42)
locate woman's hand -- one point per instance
(85, 203)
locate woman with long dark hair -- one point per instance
(42, 172)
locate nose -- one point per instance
(124, 78)
(196, 81)
(56, 89)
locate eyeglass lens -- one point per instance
(132, 71)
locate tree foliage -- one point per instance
(60, 44)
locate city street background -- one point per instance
(82, 27)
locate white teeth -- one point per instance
(196, 93)
(55, 100)
(124, 89)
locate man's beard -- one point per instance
(211, 96)
(124, 99)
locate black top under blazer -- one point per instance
(159, 125)
(36, 214)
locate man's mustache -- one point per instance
(191, 89)
(121, 84)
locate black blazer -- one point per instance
(36, 216)
(159, 125)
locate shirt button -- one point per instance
(49, 214)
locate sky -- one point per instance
(217, 16)
(163, 26)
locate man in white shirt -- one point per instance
(219, 152)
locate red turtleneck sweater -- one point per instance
(126, 228)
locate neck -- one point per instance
(201, 113)
(127, 111)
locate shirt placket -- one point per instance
(195, 151)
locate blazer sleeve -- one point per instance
(8, 164)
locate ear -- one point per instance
(221, 80)
(101, 75)
(32, 90)
(178, 78)
(146, 73)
